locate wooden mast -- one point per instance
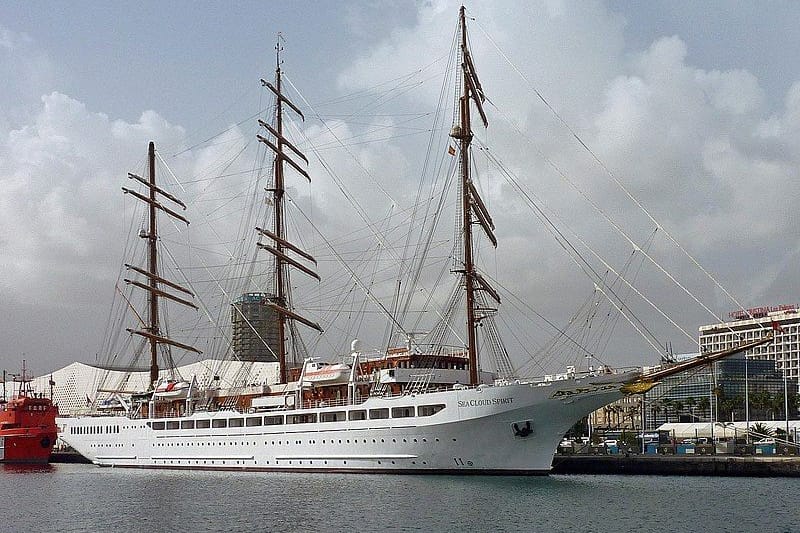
(152, 330)
(152, 266)
(469, 267)
(277, 196)
(281, 303)
(471, 91)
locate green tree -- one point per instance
(704, 404)
(761, 430)
(667, 405)
(627, 441)
(678, 406)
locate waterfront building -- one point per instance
(254, 327)
(623, 415)
(751, 324)
(719, 392)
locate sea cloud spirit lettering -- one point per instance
(485, 402)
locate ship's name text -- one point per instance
(483, 403)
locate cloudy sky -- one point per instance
(693, 107)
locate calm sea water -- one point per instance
(67, 498)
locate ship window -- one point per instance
(187, 424)
(253, 421)
(305, 418)
(219, 423)
(375, 414)
(359, 414)
(158, 425)
(273, 420)
(402, 412)
(428, 410)
(203, 424)
(173, 424)
(333, 416)
(236, 422)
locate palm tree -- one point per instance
(777, 404)
(761, 400)
(704, 404)
(761, 430)
(678, 405)
(691, 403)
(666, 405)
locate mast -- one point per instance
(277, 197)
(152, 330)
(469, 267)
(471, 203)
(152, 264)
(282, 302)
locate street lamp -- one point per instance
(746, 399)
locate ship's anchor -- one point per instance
(522, 431)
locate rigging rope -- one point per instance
(614, 178)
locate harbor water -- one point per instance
(69, 497)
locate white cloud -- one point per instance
(697, 146)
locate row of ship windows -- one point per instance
(302, 418)
(93, 430)
(278, 462)
(269, 443)
(281, 442)
(273, 420)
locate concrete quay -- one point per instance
(671, 465)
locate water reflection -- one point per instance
(21, 468)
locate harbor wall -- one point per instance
(677, 465)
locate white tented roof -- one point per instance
(76, 385)
(690, 430)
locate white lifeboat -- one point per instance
(318, 372)
(110, 404)
(172, 389)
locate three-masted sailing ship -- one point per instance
(413, 409)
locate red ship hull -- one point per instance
(27, 429)
(33, 447)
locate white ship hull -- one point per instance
(503, 429)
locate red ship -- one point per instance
(27, 423)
